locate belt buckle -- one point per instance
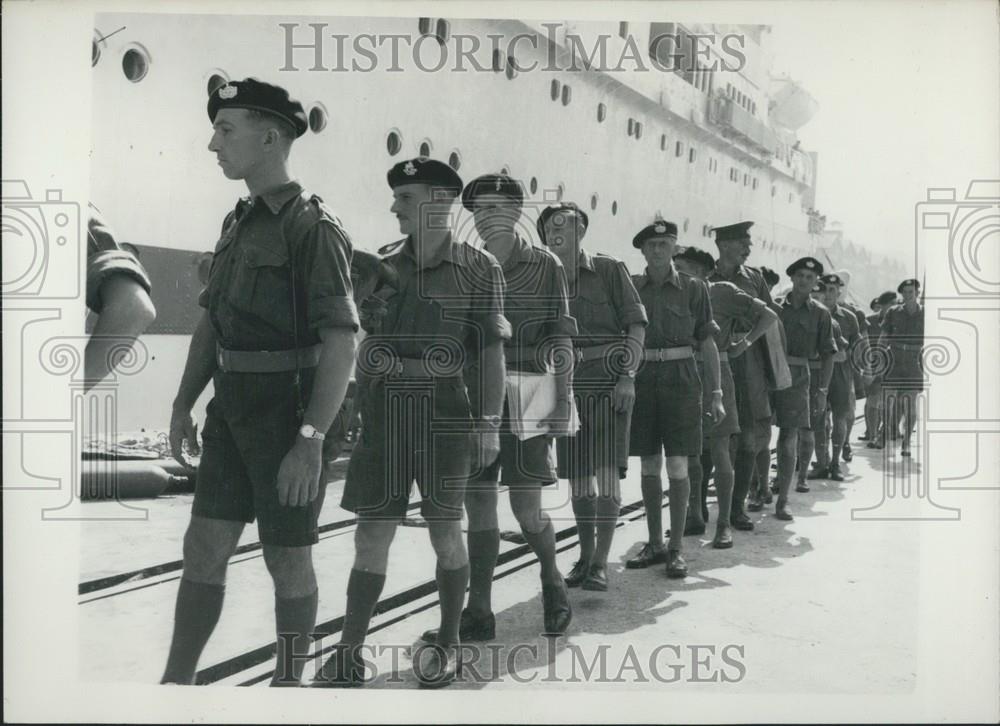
(661, 355)
(578, 355)
(220, 358)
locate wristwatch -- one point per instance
(308, 431)
(630, 373)
(493, 420)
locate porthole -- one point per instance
(593, 202)
(631, 127)
(442, 31)
(638, 129)
(567, 95)
(554, 89)
(511, 70)
(686, 222)
(215, 82)
(455, 160)
(424, 26)
(95, 47)
(692, 155)
(560, 190)
(602, 112)
(679, 148)
(425, 148)
(135, 63)
(614, 208)
(663, 142)
(497, 61)
(317, 118)
(393, 143)
(533, 185)
(774, 190)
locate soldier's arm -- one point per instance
(125, 314)
(198, 370)
(826, 347)
(332, 376)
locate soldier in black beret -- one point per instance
(277, 341)
(667, 418)
(809, 335)
(443, 313)
(749, 368)
(903, 334)
(875, 401)
(611, 322)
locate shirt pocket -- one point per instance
(262, 284)
(678, 322)
(594, 311)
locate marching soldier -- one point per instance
(668, 408)
(536, 303)
(749, 372)
(611, 323)
(903, 333)
(819, 417)
(277, 341)
(874, 408)
(731, 307)
(760, 491)
(444, 313)
(859, 378)
(809, 332)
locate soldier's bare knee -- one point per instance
(208, 545)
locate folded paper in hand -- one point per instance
(531, 398)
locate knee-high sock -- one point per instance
(742, 475)
(195, 616)
(763, 470)
(695, 472)
(706, 475)
(786, 463)
(294, 620)
(652, 500)
(724, 493)
(484, 546)
(608, 508)
(543, 544)
(839, 436)
(805, 453)
(363, 592)
(679, 494)
(585, 512)
(451, 591)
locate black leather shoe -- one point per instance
(742, 522)
(781, 512)
(755, 503)
(471, 627)
(434, 666)
(692, 527)
(847, 453)
(820, 472)
(577, 575)
(768, 496)
(835, 474)
(343, 669)
(648, 555)
(557, 611)
(676, 566)
(723, 538)
(597, 578)
(802, 488)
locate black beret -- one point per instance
(738, 231)
(770, 276)
(698, 257)
(548, 212)
(492, 184)
(258, 96)
(833, 279)
(904, 283)
(820, 286)
(656, 229)
(423, 170)
(874, 303)
(805, 263)
(887, 298)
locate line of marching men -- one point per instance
(477, 364)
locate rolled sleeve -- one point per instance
(564, 324)
(324, 261)
(701, 311)
(106, 258)
(629, 305)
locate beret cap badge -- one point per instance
(660, 228)
(410, 169)
(810, 264)
(499, 184)
(227, 91)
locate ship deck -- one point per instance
(792, 601)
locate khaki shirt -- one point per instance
(808, 328)
(679, 309)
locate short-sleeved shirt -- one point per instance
(751, 281)
(106, 258)
(678, 307)
(264, 241)
(808, 328)
(874, 329)
(447, 309)
(900, 326)
(603, 300)
(732, 309)
(848, 322)
(535, 302)
(859, 315)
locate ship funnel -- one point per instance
(791, 105)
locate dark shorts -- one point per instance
(792, 404)
(527, 462)
(602, 441)
(413, 430)
(731, 423)
(667, 414)
(906, 371)
(841, 397)
(251, 424)
(752, 393)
